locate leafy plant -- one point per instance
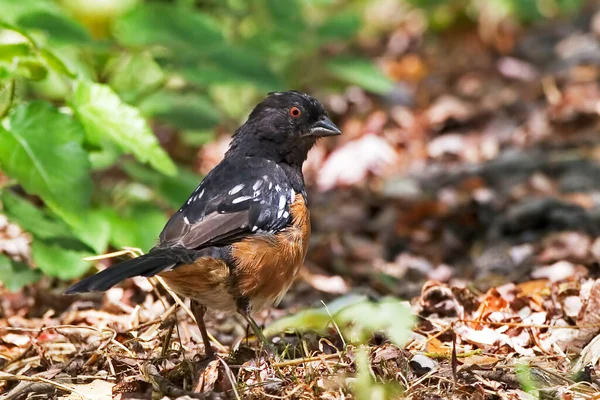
(357, 318)
(83, 87)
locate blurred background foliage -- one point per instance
(104, 104)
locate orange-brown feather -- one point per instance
(265, 267)
(206, 280)
(267, 264)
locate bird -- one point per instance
(239, 240)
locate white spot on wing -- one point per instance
(292, 195)
(278, 188)
(201, 194)
(270, 185)
(257, 185)
(254, 228)
(281, 202)
(240, 199)
(236, 189)
(186, 220)
(286, 214)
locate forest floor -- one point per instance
(472, 192)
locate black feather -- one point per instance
(146, 265)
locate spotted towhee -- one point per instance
(239, 240)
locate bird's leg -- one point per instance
(199, 310)
(258, 332)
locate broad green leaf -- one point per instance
(59, 27)
(342, 26)
(9, 51)
(315, 319)
(247, 64)
(56, 63)
(286, 14)
(23, 67)
(33, 219)
(389, 315)
(12, 10)
(169, 25)
(135, 75)
(137, 226)
(184, 111)
(360, 72)
(106, 118)
(357, 317)
(41, 148)
(175, 190)
(15, 275)
(58, 261)
(91, 228)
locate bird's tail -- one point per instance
(146, 265)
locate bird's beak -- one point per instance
(324, 127)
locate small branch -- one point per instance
(10, 377)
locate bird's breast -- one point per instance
(267, 264)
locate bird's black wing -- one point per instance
(239, 197)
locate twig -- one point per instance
(305, 360)
(10, 377)
(522, 325)
(164, 386)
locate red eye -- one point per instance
(295, 112)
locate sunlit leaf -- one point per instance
(15, 275)
(137, 226)
(135, 75)
(9, 51)
(42, 149)
(33, 219)
(59, 27)
(58, 261)
(106, 118)
(23, 67)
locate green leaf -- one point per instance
(12, 10)
(168, 25)
(389, 315)
(10, 51)
(33, 219)
(58, 261)
(42, 149)
(15, 275)
(342, 26)
(247, 64)
(286, 14)
(175, 190)
(360, 72)
(59, 27)
(23, 67)
(56, 63)
(106, 118)
(357, 317)
(315, 319)
(184, 111)
(138, 226)
(91, 228)
(135, 75)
